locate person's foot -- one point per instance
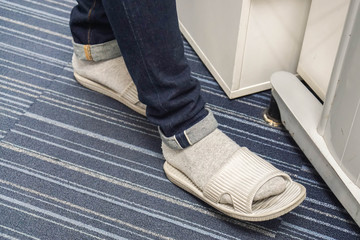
(230, 178)
(201, 161)
(109, 77)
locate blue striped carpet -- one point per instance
(75, 164)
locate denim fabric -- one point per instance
(148, 35)
(89, 24)
(191, 135)
(97, 52)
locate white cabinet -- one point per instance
(329, 133)
(242, 42)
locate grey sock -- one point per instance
(111, 73)
(109, 77)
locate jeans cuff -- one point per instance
(191, 135)
(97, 52)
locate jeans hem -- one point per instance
(191, 135)
(97, 52)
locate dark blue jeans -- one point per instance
(149, 38)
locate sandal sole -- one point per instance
(108, 92)
(182, 181)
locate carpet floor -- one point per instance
(75, 164)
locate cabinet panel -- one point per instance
(321, 43)
(342, 132)
(243, 42)
(214, 27)
(274, 38)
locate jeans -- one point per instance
(147, 35)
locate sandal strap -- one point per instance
(241, 177)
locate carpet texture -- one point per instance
(75, 164)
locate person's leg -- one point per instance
(97, 60)
(93, 37)
(149, 38)
(220, 171)
(150, 41)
